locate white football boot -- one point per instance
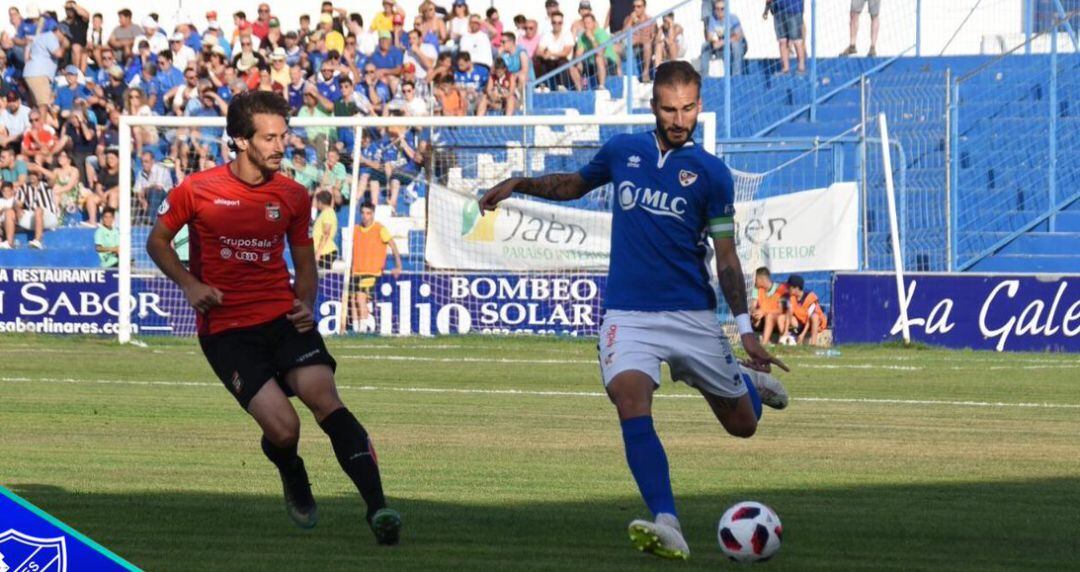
(769, 388)
(663, 537)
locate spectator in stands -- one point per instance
(9, 76)
(450, 99)
(530, 38)
(502, 89)
(301, 170)
(334, 178)
(370, 169)
(108, 184)
(8, 214)
(597, 65)
(554, 51)
(112, 91)
(493, 27)
(152, 35)
(713, 48)
(384, 20)
(14, 42)
(788, 24)
(334, 39)
(279, 70)
(39, 142)
(804, 311)
(618, 11)
(260, 28)
(856, 12)
(107, 239)
(670, 40)
(135, 103)
(584, 8)
(458, 24)
(420, 54)
(414, 106)
(471, 81)
(14, 119)
(165, 83)
(183, 55)
(152, 183)
(767, 306)
(517, 60)
(370, 240)
(38, 209)
(373, 88)
(432, 28)
(180, 96)
(63, 178)
(77, 19)
(317, 106)
(12, 169)
(325, 231)
(43, 58)
(477, 43)
(388, 60)
(122, 38)
(644, 39)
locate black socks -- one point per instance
(356, 456)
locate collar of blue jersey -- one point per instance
(663, 155)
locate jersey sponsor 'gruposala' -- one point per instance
(237, 237)
(664, 205)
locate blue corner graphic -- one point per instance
(32, 540)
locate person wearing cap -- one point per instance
(279, 69)
(152, 35)
(44, 55)
(477, 44)
(77, 19)
(584, 8)
(245, 57)
(66, 94)
(384, 20)
(185, 25)
(388, 60)
(183, 55)
(261, 26)
(274, 38)
(123, 35)
(212, 22)
(804, 312)
(458, 25)
(113, 90)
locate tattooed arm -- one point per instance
(555, 187)
(729, 272)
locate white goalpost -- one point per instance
(536, 267)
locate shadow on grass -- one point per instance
(970, 526)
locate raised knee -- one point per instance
(629, 405)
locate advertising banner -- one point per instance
(991, 312)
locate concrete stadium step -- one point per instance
(1067, 221)
(1029, 263)
(1045, 243)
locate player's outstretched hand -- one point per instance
(759, 357)
(202, 297)
(301, 317)
(498, 194)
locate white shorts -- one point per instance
(26, 221)
(691, 342)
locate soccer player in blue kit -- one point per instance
(659, 305)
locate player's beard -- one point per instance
(666, 139)
(268, 164)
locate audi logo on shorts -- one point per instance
(246, 256)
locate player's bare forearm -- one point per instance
(555, 187)
(159, 247)
(729, 273)
(307, 278)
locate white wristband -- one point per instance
(743, 322)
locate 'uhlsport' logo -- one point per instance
(654, 201)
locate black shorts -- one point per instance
(245, 359)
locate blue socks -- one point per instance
(755, 399)
(649, 464)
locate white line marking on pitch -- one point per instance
(532, 393)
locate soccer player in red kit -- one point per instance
(257, 331)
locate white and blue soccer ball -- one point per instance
(749, 532)
(788, 340)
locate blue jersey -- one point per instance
(664, 205)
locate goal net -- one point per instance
(533, 266)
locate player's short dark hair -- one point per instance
(676, 72)
(324, 197)
(367, 205)
(124, 12)
(244, 107)
(108, 210)
(166, 54)
(763, 271)
(490, 11)
(796, 281)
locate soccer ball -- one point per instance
(787, 340)
(749, 532)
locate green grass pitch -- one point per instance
(503, 454)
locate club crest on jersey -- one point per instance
(687, 178)
(237, 382)
(273, 212)
(634, 161)
(19, 551)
